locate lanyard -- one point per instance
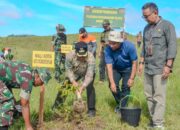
(154, 28)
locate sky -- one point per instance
(39, 17)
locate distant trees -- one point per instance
(20, 35)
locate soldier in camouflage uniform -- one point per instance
(14, 74)
(7, 54)
(57, 41)
(103, 44)
(80, 64)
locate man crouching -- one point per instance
(80, 64)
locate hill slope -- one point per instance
(106, 119)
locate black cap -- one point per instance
(81, 49)
(82, 30)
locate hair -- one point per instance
(152, 6)
(82, 30)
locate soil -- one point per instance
(78, 121)
(94, 124)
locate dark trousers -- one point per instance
(139, 43)
(102, 68)
(91, 96)
(125, 90)
(3, 127)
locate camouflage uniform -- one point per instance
(9, 57)
(102, 64)
(6, 105)
(13, 74)
(76, 70)
(57, 41)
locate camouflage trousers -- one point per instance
(6, 105)
(59, 65)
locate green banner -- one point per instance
(94, 16)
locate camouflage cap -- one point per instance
(106, 22)
(60, 27)
(44, 74)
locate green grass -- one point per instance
(106, 119)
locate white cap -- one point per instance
(115, 36)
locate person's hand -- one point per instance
(106, 43)
(130, 82)
(81, 89)
(99, 55)
(103, 44)
(166, 72)
(78, 94)
(75, 84)
(140, 69)
(29, 128)
(113, 87)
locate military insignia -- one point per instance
(159, 30)
(81, 50)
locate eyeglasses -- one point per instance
(147, 16)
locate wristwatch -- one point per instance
(169, 66)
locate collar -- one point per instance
(158, 21)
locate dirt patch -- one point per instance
(79, 106)
(85, 123)
(77, 119)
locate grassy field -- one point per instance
(105, 119)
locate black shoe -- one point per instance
(17, 111)
(91, 113)
(16, 114)
(4, 127)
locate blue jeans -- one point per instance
(125, 90)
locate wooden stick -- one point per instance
(41, 108)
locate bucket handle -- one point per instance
(132, 97)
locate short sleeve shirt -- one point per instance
(121, 58)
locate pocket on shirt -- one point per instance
(156, 38)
